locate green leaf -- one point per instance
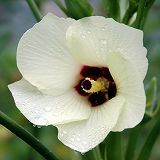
(152, 100)
(148, 6)
(143, 9)
(140, 14)
(35, 10)
(152, 96)
(79, 8)
(112, 8)
(114, 146)
(132, 142)
(61, 6)
(93, 154)
(27, 137)
(150, 140)
(4, 39)
(132, 8)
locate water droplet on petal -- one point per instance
(64, 132)
(83, 36)
(55, 114)
(118, 48)
(82, 153)
(109, 50)
(41, 120)
(39, 126)
(103, 28)
(89, 136)
(103, 41)
(47, 109)
(102, 129)
(89, 32)
(36, 111)
(84, 142)
(102, 49)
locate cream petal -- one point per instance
(90, 40)
(43, 57)
(130, 86)
(42, 109)
(85, 135)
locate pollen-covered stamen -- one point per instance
(86, 84)
(96, 84)
(91, 86)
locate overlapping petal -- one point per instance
(130, 86)
(41, 109)
(85, 135)
(50, 56)
(43, 57)
(90, 40)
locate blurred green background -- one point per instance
(15, 19)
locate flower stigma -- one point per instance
(91, 86)
(96, 84)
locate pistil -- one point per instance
(91, 86)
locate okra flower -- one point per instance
(85, 77)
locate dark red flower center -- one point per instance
(96, 84)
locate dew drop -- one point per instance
(89, 136)
(84, 142)
(55, 114)
(103, 41)
(102, 129)
(64, 132)
(39, 126)
(82, 153)
(103, 28)
(41, 120)
(89, 32)
(47, 109)
(118, 48)
(101, 49)
(83, 36)
(109, 50)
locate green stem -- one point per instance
(32, 154)
(26, 136)
(150, 141)
(93, 154)
(34, 10)
(131, 147)
(148, 6)
(87, 156)
(129, 13)
(96, 153)
(114, 146)
(140, 14)
(61, 6)
(105, 152)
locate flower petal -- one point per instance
(43, 57)
(90, 39)
(42, 109)
(85, 135)
(130, 86)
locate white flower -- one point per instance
(85, 77)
